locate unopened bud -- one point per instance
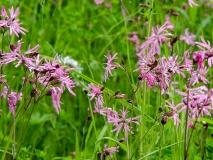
(122, 61)
(173, 40)
(140, 77)
(85, 91)
(129, 101)
(121, 96)
(73, 154)
(143, 5)
(122, 140)
(102, 88)
(160, 109)
(13, 47)
(175, 14)
(49, 93)
(164, 120)
(117, 92)
(89, 118)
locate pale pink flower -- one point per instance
(157, 38)
(108, 4)
(11, 22)
(108, 152)
(134, 39)
(56, 96)
(192, 3)
(120, 96)
(13, 98)
(198, 75)
(188, 37)
(98, 1)
(96, 93)
(110, 65)
(199, 58)
(122, 122)
(174, 114)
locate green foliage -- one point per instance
(85, 32)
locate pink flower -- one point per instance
(110, 65)
(122, 122)
(11, 22)
(174, 113)
(98, 1)
(157, 38)
(13, 98)
(198, 75)
(108, 4)
(188, 37)
(192, 3)
(199, 58)
(134, 39)
(56, 96)
(96, 92)
(108, 152)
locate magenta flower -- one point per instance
(188, 37)
(108, 152)
(98, 1)
(174, 114)
(134, 39)
(56, 96)
(122, 122)
(13, 98)
(157, 38)
(192, 3)
(96, 92)
(199, 58)
(11, 22)
(200, 101)
(197, 76)
(110, 65)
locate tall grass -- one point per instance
(85, 32)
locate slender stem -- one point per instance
(145, 136)
(186, 126)
(160, 144)
(14, 136)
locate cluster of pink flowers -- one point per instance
(120, 121)
(45, 77)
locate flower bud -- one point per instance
(164, 120)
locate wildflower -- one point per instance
(188, 37)
(197, 76)
(134, 39)
(11, 22)
(199, 58)
(108, 152)
(157, 38)
(174, 113)
(108, 4)
(123, 122)
(98, 1)
(184, 6)
(199, 101)
(120, 96)
(96, 92)
(110, 65)
(192, 3)
(56, 96)
(13, 98)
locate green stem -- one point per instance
(160, 144)
(186, 126)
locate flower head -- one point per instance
(110, 65)
(188, 37)
(121, 122)
(11, 22)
